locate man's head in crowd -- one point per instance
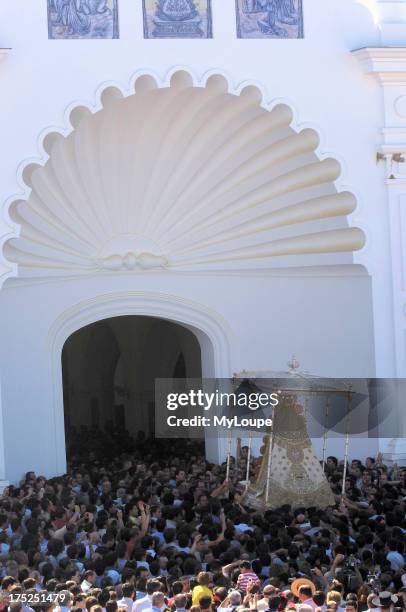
(158, 600)
(180, 602)
(305, 593)
(205, 603)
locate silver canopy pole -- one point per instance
(325, 432)
(247, 477)
(347, 441)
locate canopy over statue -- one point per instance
(289, 471)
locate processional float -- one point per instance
(290, 472)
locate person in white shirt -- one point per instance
(145, 603)
(158, 602)
(89, 580)
(127, 600)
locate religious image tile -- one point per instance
(269, 18)
(82, 19)
(177, 19)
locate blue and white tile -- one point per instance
(177, 19)
(97, 19)
(269, 18)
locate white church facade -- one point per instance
(197, 207)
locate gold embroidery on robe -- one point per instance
(296, 476)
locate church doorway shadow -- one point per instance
(109, 369)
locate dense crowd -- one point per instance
(157, 528)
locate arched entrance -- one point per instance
(109, 369)
(167, 315)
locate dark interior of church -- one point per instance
(109, 372)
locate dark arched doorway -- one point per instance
(109, 370)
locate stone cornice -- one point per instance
(4, 53)
(387, 62)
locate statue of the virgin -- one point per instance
(289, 471)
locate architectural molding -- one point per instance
(386, 62)
(392, 21)
(4, 53)
(395, 160)
(160, 305)
(343, 271)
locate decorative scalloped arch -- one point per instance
(181, 176)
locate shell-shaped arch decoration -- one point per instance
(185, 178)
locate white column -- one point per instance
(388, 64)
(392, 21)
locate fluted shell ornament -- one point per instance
(181, 178)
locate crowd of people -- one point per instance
(158, 528)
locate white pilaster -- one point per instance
(392, 18)
(388, 64)
(3, 482)
(395, 452)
